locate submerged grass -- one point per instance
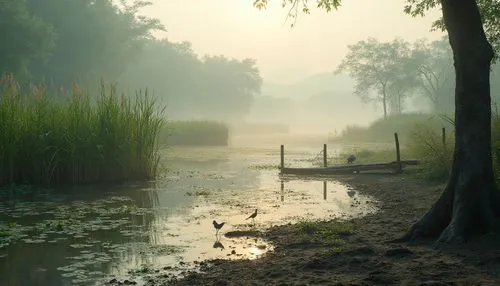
(76, 138)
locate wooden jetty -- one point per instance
(395, 166)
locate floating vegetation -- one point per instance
(198, 193)
(264, 167)
(73, 224)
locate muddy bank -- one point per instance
(366, 258)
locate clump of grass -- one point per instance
(195, 133)
(495, 141)
(76, 138)
(324, 233)
(435, 156)
(198, 194)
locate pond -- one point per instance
(86, 235)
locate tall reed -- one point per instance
(74, 138)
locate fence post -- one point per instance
(398, 154)
(282, 164)
(325, 156)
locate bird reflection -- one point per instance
(217, 243)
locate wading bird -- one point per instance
(218, 226)
(351, 159)
(252, 216)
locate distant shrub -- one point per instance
(195, 133)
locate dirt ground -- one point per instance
(368, 258)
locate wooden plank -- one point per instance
(349, 168)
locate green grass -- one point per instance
(78, 138)
(325, 233)
(195, 133)
(435, 157)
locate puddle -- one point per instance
(85, 235)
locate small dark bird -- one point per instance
(252, 216)
(351, 159)
(218, 226)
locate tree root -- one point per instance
(458, 213)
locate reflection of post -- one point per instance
(282, 191)
(324, 190)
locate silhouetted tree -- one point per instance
(95, 39)
(24, 37)
(433, 63)
(379, 67)
(212, 87)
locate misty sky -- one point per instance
(317, 44)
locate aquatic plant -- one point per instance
(74, 138)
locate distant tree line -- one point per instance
(61, 42)
(389, 73)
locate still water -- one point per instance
(87, 235)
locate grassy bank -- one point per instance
(382, 130)
(195, 133)
(77, 138)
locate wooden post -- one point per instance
(325, 156)
(282, 191)
(443, 135)
(398, 154)
(282, 165)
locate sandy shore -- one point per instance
(367, 258)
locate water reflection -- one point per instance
(350, 193)
(77, 235)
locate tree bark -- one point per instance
(470, 202)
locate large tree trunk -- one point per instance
(469, 203)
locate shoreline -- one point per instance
(367, 258)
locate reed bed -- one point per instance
(75, 138)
